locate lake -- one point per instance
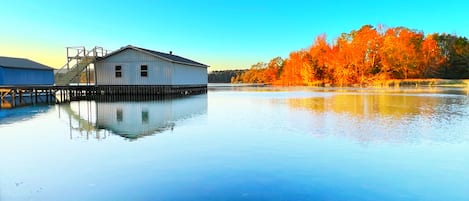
(242, 143)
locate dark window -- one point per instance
(119, 115)
(145, 117)
(144, 70)
(118, 71)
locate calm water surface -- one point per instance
(242, 144)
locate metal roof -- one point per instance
(169, 57)
(11, 62)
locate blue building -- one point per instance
(24, 72)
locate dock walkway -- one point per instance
(14, 96)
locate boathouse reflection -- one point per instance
(132, 118)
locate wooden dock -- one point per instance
(11, 97)
(14, 96)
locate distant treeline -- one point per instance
(224, 76)
(366, 56)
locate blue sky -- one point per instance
(222, 34)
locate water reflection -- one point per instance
(273, 145)
(14, 115)
(392, 116)
(131, 119)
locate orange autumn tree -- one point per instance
(254, 75)
(365, 47)
(400, 53)
(308, 66)
(341, 66)
(430, 57)
(272, 72)
(320, 53)
(262, 72)
(366, 55)
(293, 68)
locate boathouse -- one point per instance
(135, 70)
(23, 82)
(24, 72)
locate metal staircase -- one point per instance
(77, 65)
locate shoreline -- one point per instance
(393, 83)
(456, 83)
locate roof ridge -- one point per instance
(15, 62)
(169, 56)
(162, 55)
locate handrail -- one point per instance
(82, 59)
(82, 53)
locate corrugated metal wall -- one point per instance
(184, 74)
(18, 76)
(1, 75)
(160, 72)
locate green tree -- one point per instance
(456, 52)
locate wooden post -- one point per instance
(13, 98)
(1, 99)
(20, 92)
(31, 96)
(47, 97)
(35, 96)
(49, 91)
(62, 95)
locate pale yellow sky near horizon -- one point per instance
(54, 57)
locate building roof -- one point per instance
(165, 56)
(11, 62)
(134, 135)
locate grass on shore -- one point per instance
(421, 82)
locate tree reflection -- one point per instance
(386, 116)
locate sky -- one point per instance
(224, 34)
